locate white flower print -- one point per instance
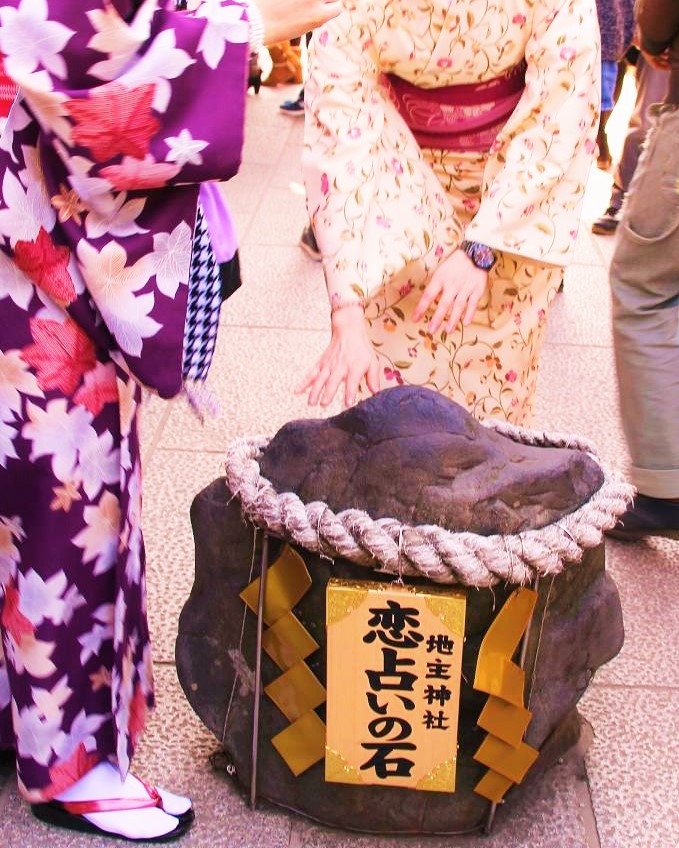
(7, 451)
(35, 733)
(185, 148)
(171, 258)
(114, 216)
(107, 213)
(50, 701)
(18, 119)
(49, 106)
(11, 531)
(92, 640)
(15, 379)
(119, 620)
(81, 732)
(14, 283)
(133, 565)
(146, 670)
(112, 284)
(27, 210)
(99, 539)
(5, 696)
(161, 62)
(113, 37)
(57, 432)
(40, 599)
(31, 655)
(73, 600)
(224, 24)
(98, 462)
(29, 40)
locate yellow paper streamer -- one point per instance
(302, 744)
(504, 720)
(504, 715)
(288, 641)
(297, 691)
(287, 581)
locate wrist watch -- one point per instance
(480, 254)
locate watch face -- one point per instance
(483, 257)
(480, 254)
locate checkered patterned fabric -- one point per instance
(205, 299)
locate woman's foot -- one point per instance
(100, 802)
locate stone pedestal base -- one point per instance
(577, 628)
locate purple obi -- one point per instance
(458, 117)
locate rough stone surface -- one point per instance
(411, 454)
(578, 626)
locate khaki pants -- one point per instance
(645, 290)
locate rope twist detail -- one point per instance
(430, 551)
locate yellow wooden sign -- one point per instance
(394, 663)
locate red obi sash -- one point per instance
(458, 117)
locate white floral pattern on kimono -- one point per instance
(120, 117)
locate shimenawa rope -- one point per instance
(430, 551)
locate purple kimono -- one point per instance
(124, 109)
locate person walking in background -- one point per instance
(616, 25)
(644, 276)
(112, 244)
(296, 105)
(445, 158)
(286, 63)
(651, 86)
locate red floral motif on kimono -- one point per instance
(138, 711)
(115, 121)
(13, 619)
(47, 265)
(66, 773)
(99, 388)
(61, 354)
(139, 174)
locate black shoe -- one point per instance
(647, 517)
(294, 107)
(254, 73)
(607, 224)
(308, 244)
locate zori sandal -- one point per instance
(74, 816)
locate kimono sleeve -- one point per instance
(144, 95)
(124, 110)
(374, 203)
(535, 179)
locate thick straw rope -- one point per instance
(440, 555)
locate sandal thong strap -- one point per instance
(114, 805)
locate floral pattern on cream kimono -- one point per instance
(386, 213)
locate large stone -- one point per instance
(581, 630)
(411, 454)
(416, 447)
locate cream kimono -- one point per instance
(386, 212)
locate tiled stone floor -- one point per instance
(623, 794)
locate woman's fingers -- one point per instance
(472, 305)
(373, 375)
(431, 293)
(330, 385)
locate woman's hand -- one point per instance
(347, 359)
(456, 286)
(285, 19)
